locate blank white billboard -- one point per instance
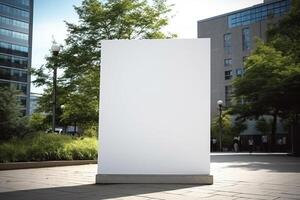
(155, 107)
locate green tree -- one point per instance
(80, 57)
(38, 122)
(230, 127)
(267, 86)
(11, 122)
(238, 127)
(285, 35)
(271, 84)
(226, 125)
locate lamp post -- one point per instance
(220, 104)
(55, 50)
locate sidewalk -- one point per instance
(235, 177)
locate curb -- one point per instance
(41, 164)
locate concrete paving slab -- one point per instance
(236, 176)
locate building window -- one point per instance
(228, 62)
(22, 100)
(18, 50)
(12, 61)
(5, 73)
(17, 75)
(22, 88)
(228, 94)
(25, 2)
(4, 84)
(246, 38)
(258, 13)
(227, 42)
(228, 74)
(14, 11)
(13, 34)
(12, 22)
(239, 72)
(13, 74)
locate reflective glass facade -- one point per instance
(15, 47)
(14, 12)
(18, 50)
(12, 61)
(13, 34)
(13, 22)
(13, 74)
(259, 13)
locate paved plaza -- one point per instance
(236, 176)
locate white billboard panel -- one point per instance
(154, 110)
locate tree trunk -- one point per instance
(273, 131)
(295, 137)
(75, 127)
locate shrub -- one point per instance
(12, 124)
(38, 122)
(231, 127)
(42, 147)
(13, 151)
(85, 148)
(91, 131)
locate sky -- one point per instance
(50, 16)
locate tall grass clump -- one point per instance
(43, 147)
(13, 151)
(82, 149)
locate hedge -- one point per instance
(44, 147)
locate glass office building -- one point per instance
(15, 47)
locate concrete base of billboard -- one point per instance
(154, 178)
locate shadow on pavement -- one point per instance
(255, 162)
(91, 192)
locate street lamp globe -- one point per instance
(220, 102)
(55, 48)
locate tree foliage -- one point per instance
(263, 126)
(270, 85)
(38, 122)
(11, 121)
(230, 128)
(285, 35)
(80, 57)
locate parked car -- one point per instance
(57, 130)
